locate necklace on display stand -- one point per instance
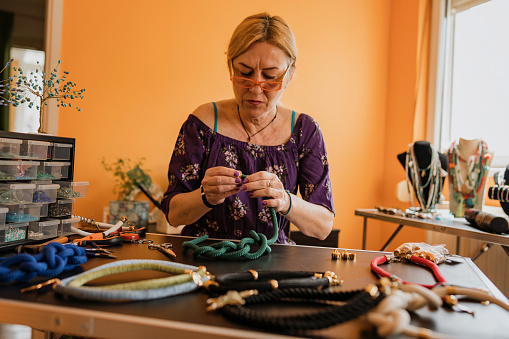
(433, 183)
(474, 178)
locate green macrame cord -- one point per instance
(137, 285)
(230, 250)
(187, 279)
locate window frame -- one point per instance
(440, 72)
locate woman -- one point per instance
(253, 134)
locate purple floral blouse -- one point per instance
(301, 161)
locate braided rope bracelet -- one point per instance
(230, 250)
(413, 259)
(356, 303)
(189, 278)
(54, 259)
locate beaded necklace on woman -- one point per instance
(477, 170)
(415, 175)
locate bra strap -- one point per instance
(215, 117)
(293, 121)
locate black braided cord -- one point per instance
(240, 281)
(357, 303)
(262, 275)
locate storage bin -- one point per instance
(34, 149)
(44, 210)
(9, 148)
(15, 193)
(3, 214)
(72, 189)
(23, 212)
(14, 232)
(43, 229)
(61, 151)
(53, 170)
(61, 208)
(65, 226)
(18, 170)
(45, 193)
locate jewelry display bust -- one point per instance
(469, 163)
(426, 170)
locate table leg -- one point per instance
(506, 249)
(458, 244)
(392, 237)
(483, 249)
(364, 229)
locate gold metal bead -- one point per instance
(274, 284)
(372, 289)
(254, 273)
(344, 255)
(208, 283)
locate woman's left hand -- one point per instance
(267, 185)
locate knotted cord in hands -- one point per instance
(230, 250)
(54, 259)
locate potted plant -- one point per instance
(37, 89)
(137, 211)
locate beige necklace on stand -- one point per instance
(252, 135)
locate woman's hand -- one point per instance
(267, 185)
(219, 183)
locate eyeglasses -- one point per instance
(265, 85)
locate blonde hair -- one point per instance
(262, 27)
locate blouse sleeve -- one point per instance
(314, 181)
(187, 162)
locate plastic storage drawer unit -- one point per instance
(9, 148)
(72, 189)
(16, 193)
(18, 170)
(34, 149)
(43, 229)
(61, 208)
(53, 170)
(66, 224)
(23, 212)
(45, 193)
(13, 232)
(3, 214)
(61, 151)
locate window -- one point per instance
(23, 118)
(473, 75)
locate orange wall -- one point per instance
(147, 65)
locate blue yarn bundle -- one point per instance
(54, 259)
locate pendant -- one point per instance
(458, 197)
(469, 202)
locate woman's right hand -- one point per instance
(219, 183)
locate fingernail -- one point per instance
(238, 181)
(250, 194)
(244, 187)
(236, 174)
(239, 185)
(246, 180)
(264, 203)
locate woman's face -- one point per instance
(261, 62)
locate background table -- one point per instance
(185, 315)
(458, 227)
